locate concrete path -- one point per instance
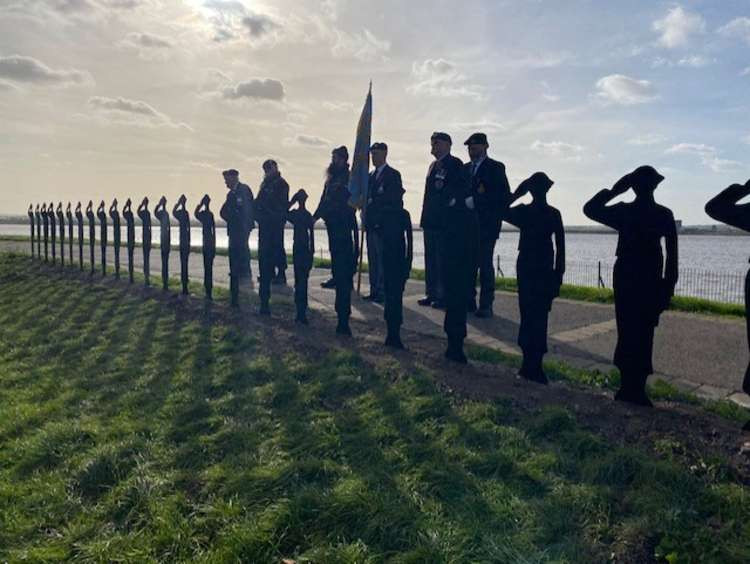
(701, 354)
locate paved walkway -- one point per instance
(701, 354)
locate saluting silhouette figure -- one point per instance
(724, 207)
(114, 215)
(61, 226)
(182, 216)
(92, 234)
(101, 213)
(79, 221)
(52, 230)
(127, 213)
(539, 269)
(145, 217)
(38, 218)
(206, 217)
(31, 223)
(45, 221)
(69, 216)
(161, 213)
(644, 280)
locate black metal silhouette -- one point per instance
(61, 226)
(539, 267)
(303, 251)
(38, 218)
(644, 280)
(161, 213)
(724, 207)
(69, 216)
(52, 230)
(79, 221)
(206, 217)
(394, 227)
(114, 215)
(101, 213)
(92, 235)
(127, 213)
(182, 216)
(45, 221)
(31, 223)
(145, 217)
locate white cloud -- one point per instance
(745, 71)
(746, 139)
(124, 111)
(256, 89)
(624, 90)
(647, 139)
(7, 86)
(481, 125)
(677, 26)
(147, 45)
(558, 149)
(442, 79)
(708, 155)
(696, 61)
(231, 20)
(304, 140)
(20, 68)
(363, 46)
(738, 27)
(338, 106)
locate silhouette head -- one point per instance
(340, 156)
(477, 146)
(231, 178)
(644, 180)
(301, 196)
(440, 143)
(67, 208)
(538, 184)
(270, 167)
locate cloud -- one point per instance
(231, 20)
(259, 25)
(441, 79)
(647, 139)
(745, 71)
(695, 61)
(20, 68)
(677, 26)
(624, 90)
(131, 112)
(147, 40)
(256, 89)
(708, 155)
(363, 46)
(738, 27)
(558, 149)
(480, 125)
(7, 86)
(307, 141)
(338, 106)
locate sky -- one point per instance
(115, 98)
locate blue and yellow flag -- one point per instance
(359, 177)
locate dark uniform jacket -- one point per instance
(334, 202)
(446, 181)
(383, 191)
(273, 200)
(491, 192)
(238, 212)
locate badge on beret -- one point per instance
(481, 188)
(439, 184)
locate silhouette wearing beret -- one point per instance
(31, 224)
(238, 212)
(303, 251)
(145, 217)
(165, 241)
(208, 224)
(69, 216)
(724, 207)
(52, 230)
(38, 219)
(539, 268)
(61, 227)
(182, 216)
(101, 213)
(92, 234)
(45, 222)
(114, 215)
(79, 221)
(127, 213)
(644, 280)
(394, 225)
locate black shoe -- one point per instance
(484, 313)
(634, 397)
(328, 284)
(471, 307)
(301, 319)
(343, 330)
(265, 310)
(426, 301)
(394, 342)
(438, 304)
(456, 354)
(539, 377)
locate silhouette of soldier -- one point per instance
(644, 280)
(394, 225)
(724, 207)
(206, 217)
(79, 221)
(344, 254)
(69, 216)
(38, 218)
(101, 213)
(490, 194)
(182, 216)
(31, 223)
(539, 269)
(61, 226)
(45, 221)
(271, 206)
(303, 251)
(237, 211)
(92, 234)
(165, 239)
(145, 217)
(335, 194)
(384, 189)
(127, 213)
(114, 215)
(52, 230)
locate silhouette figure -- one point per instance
(92, 235)
(127, 213)
(52, 230)
(303, 251)
(69, 216)
(45, 221)
(206, 217)
(724, 207)
(539, 268)
(644, 281)
(394, 226)
(31, 223)
(145, 217)
(101, 213)
(183, 218)
(79, 221)
(238, 212)
(61, 226)
(345, 253)
(114, 215)
(161, 213)
(38, 218)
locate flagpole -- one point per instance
(363, 231)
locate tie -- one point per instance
(474, 171)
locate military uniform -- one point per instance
(79, 222)
(52, 230)
(183, 219)
(206, 217)
(270, 213)
(302, 257)
(145, 217)
(31, 223)
(165, 241)
(69, 216)
(127, 213)
(61, 226)
(116, 236)
(237, 211)
(102, 215)
(335, 196)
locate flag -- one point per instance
(359, 177)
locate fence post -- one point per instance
(600, 281)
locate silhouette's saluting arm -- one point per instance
(724, 207)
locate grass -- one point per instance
(136, 431)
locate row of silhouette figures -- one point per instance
(644, 278)
(48, 229)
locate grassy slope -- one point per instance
(134, 430)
